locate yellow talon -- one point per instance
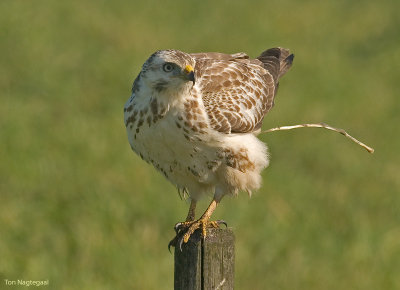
(185, 229)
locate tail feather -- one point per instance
(277, 61)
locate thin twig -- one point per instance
(321, 125)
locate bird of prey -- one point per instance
(195, 117)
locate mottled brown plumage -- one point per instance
(237, 91)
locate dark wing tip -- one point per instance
(289, 59)
(277, 61)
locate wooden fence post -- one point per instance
(206, 264)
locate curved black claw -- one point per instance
(172, 243)
(219, 222)
(177, 240)
(180, 243)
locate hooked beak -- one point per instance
(189, 72)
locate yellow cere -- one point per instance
(188, 69)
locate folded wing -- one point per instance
(237, 91)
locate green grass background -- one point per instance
(77, 207)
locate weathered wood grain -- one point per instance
(206, 264)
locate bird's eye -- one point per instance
(168, 67)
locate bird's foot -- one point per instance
(185, 229)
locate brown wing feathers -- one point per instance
(236, 91)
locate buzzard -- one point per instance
(195, 117)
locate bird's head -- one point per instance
(167, 70)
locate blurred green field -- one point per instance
(78, 208)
